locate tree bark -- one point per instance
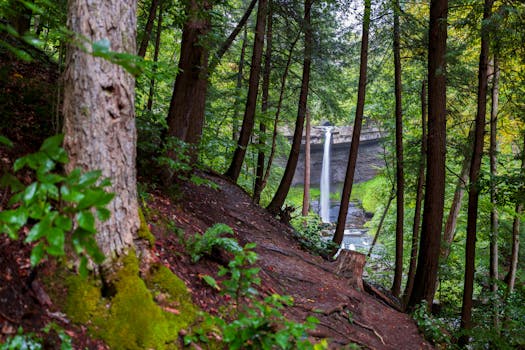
(286, 181)
(148, 29)
(149, 105)
(428, 259)
(419, 196)
(99, 116)
(477, 153)
(186, 113)
(356, 134)
(216, 59)
(306, 190)
(400, 180)
(264, 108)
(234, 170)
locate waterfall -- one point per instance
(325, 177)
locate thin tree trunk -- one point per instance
(400, 180)
(356, 134)
(99, 115)
(428, 259)
(238, 86)
(381, 221)
(216, 59)
(511, 276)
(251, 103)
(494, 222)
(186, 113)
(419, 196)
(477, 153)
(148, 29)
(155, 60)
(277, 113)
(284, 186)
(20, 16)
(306, 190)
(264, 108)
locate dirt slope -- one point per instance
(285, 269)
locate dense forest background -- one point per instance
(212, 85)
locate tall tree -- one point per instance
(149, 105)
(234, 170)
(186, 113)
(148, 29)
(356, 133)
(477, 153)
(264, 107)
(286, 181)
(238, 85)
(400, 180)
(306, 190)
(99, 116)
(419, 196)
(428, 259)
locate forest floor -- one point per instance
(346, 315)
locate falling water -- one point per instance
(325, 177)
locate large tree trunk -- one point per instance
(286, 181)
(99, 116)
(428, 259)
(264, 108)
(155, 59)
(477, 153)
(419, 196)
(148, 29)
(231, 38)
(251, 103)
(400, 180)
(356, 134)
(306, 189)
(186, 113)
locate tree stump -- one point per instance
(350, 265)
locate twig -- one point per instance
(370, 329)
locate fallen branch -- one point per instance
(370, 329)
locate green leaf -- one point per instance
(30, 192)
(70, 195)
(37, 253)
(281, 338)
(9, 180)
(86, 220)
(50, 144)
(55, 238)
(103, 214)
(5, 141)
(89, 178)
(37, 231)
(101, 47)
(20, 163)
(82, 268)
(63, 222)
(211, 282)
(95, 198)
(17, 217)
(50, 189)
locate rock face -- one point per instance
(370, 157)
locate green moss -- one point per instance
(144, 231)
(83, 302)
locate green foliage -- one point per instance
(63, 206)
(433, 328)
(200, 245)
(308, 232)
(256, 324)
(30, 341)
(144, 231)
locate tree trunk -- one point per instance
(356, 134)
(99, 116)
(251, 103)
(238, 86)
(284, 186)
(511, 276)
(493, 151)
(148, 29)
(229, 41)
(419, 196)
(155, 59)
(381, 221)
(400, 180)
(350, 265)
(306, 190)
(264, 108)
(477, 153)
(428, 259)
(186, 112)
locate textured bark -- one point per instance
(231, 38)
(419, 196)
(148, 29)
(155, 59)
(186, 112)
(306, 190)
(286, 181)
(356, 134)
(99, 116)
(264, 108)
(400, 179)
(234, 170)
(477, 153)
(493, 151)
(350, 265)
(428, 259)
